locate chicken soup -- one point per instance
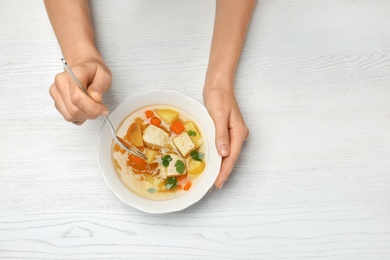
(174, 146)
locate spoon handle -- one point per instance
(68, 69)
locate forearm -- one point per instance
(231, 24)
(72, 25)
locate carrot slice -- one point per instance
(155, 121)
(149, 113)
(177, 127)
(181, 177)
(137, 160)
(187, 186)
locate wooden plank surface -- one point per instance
(313, 180)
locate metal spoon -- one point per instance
(128, 147)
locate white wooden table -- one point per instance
(313, 180)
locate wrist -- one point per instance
(82, 54)
(219, 80)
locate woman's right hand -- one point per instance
(73, 104)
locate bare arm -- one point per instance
(231, 24)
(72, 25)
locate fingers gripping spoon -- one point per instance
(127, 147)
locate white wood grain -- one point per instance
(313, 180)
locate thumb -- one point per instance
(222, 139)
(100, 84)
(96, 92)
(98, 87)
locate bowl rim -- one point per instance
(183, 201)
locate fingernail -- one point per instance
(104, 113)
(210, 189)
(224, 151)
(221, 186)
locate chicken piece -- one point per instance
(172, 165)
(184, 144)
(155, 137)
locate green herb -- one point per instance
(197, 156)
(151, 190)
(171, 183)
(180, 167)
(166, 160)
(191, 133)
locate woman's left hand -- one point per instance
(231, 130)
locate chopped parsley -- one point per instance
(166, 160)
(191, 133)
(171, 183)
(180, 167)
(197, 156)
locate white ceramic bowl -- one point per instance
(159, 97)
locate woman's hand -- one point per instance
(72, 25)
(73, 104)
(231, 130)
(231, 24)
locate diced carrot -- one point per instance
(187, 186)
(137, 160)
(149, 113)
(181, 177)
(155, 121)
(177, 127)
